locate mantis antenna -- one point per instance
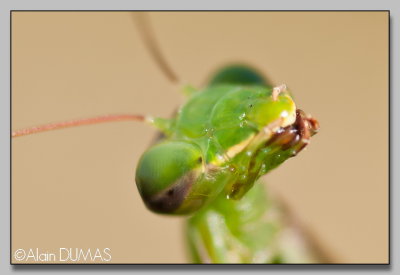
(76, 122)
(142, 21)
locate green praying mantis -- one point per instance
(219, 143)
(209, 157)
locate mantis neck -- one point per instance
(250, 230)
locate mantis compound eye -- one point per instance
(166, 173)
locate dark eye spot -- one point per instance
(251, 105)
(170, 192)
(200, 160)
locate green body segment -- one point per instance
(232, 231)
(250, 230)
(237, 74)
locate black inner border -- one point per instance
(188, 266)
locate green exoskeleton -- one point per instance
(212, 152)
(219, 143)
(222, 140)
(242, 223)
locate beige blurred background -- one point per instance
(75, 188)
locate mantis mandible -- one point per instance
(211, 154)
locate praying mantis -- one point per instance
(211, 154)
